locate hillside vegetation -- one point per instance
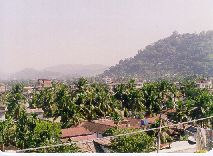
(178, 55)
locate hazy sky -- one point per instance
(41, 33)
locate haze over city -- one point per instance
(106, 76)
(38, 34)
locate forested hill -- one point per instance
(178, 55)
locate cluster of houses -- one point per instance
(27, 91)
(206, 83)
(111, 84)
(92, 131)
(88, 130)
(89, 135)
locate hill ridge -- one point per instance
(178, 55)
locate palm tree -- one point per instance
(132, 99)
(203, 104)
(66, 107)
(105, 103)
(81, 85)
(165, 90)
(44, 99)
(15, 101)
(181, 111)
(150, 97)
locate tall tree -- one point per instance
(15, 101)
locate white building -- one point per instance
(3, 88)
(3, 111)
(139, 85)
(38, 111)
(204, 83)
(108, 80)
(28, 90)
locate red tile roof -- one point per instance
(75, 131)
(96, 126)
(86, 137)
(80, 138)
(107, 122)
(89, 127)
(132, 123)
(102, 125)
(136, 123)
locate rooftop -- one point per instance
(97, 126)
(81, 138)
(36, 110)
(74, 132)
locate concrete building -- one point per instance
(3, 88)
(204, 83)
(3, 111)
(38, 111)
(43, 83)
(108, 80)
(28, 90)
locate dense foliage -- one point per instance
(29, 132)
(22, 130)
(89, 101)
(93, 101)
(15, 101)
(175, 56)
(136, 143)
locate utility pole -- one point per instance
(159, 132)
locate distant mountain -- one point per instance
(78, 69)
(60, 72)
(30, 73)
(178, 55)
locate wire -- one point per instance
(111, 137)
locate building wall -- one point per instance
(2, 116)
(2, 88)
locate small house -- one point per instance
(204, 84)
(3, 111)
(3, 88)
(38, 111)
(44, 83)
(76, 134)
